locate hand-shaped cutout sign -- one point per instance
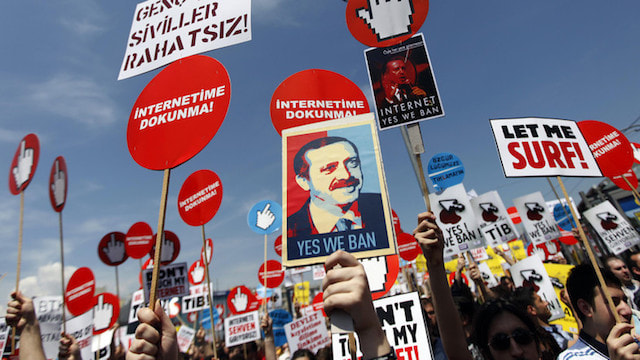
(24, 164)
(58, 184)
(111, 249)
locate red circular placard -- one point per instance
(631, 177)
(24, 164)
(200, 197)
(636, 152)
(277, 245)
(513, 214)
(105, 304)
(79, 293)
(274, 274)
(139, 240)
(609, 146)
(169, 238)
(385, 23)
(111, 248)
(178, 112)
(383, 275)
(196, 273)
(242, 296)
(408, 247)
(58, 180)
(209, 253)
(147, 265)
(315, 95)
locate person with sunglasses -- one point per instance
(600, 337)
(504, 331)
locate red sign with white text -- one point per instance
(200, 197)
(396, 222)
(408, 247)
(273, 273)
(543, 147)
(139, 240)
(609, 146)
(79, 292)
(241, 300)
(623, 181)
(24, 164)
(315, 95)
(178, 112)
(385, 23)
(277, 245)
(111, 249)
(58, 184)
(318, 303)
(170, 248)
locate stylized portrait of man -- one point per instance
(397, 86)
(329, 168)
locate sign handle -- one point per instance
(13, 331)
(159, 236)
(633, 190)
(573, 251)
(352, 347)
(413, 140)
(264, 275)
(583, 237)
(206, 272)
(64, 321)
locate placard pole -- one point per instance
(415, 147)
(592, 257)
(264, 275)
(64, 321)
(13, 331)
(159, 236)
(633, 190)
(206, 272)
(573, 251)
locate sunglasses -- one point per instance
(501, 341)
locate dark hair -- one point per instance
(393, 58)
(582, 283)
(522, 297)
(300, 164)
(487, 314)
(302, 353)
(608, 258)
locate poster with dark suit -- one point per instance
(334, 192)
(402, 81)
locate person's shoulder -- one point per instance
(580, 350)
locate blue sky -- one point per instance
(492, 59)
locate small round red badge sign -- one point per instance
(139, 240)
(609, 146)
(111, 249)
(58, 184)
(79, 293)
(314, 95)
(408, 247)
(24, 164)
(178, 112)
(271, 274)
(200, 197)
(385, 23)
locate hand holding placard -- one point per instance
(387, 18)
(22, 170)
(102, 314)
(240, 301)
(265, 217)
(59, 184)
(114, 250)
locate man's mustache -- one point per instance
(342, 183)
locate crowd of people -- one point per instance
(503, 322)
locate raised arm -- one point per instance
(22, 316)
(429, 237)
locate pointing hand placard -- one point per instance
(106, 308)
(196, 273)
(170, 248)
(200, 197)
(58, 184)
(178, 112)
(24, 164)
(265, 217)
(208, 252)
(385, 23)
(111, 249)
(240, 300)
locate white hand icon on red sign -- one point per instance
(167, 250)
(240, 301)
(197, 274)
(59, 185)
(22, 170)
(388, 18)
(102, 314)
(114, 250)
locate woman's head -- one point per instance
(503, 331)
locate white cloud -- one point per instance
(10, 136)
(47, 282)
(80, 99)
(82, 28)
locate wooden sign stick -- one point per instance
(159, 236)
(264, 274)
(413, 140)
(64, 325)
(206, 272)
(13, 331)
(592, 257)
(574, 253)
(633, 190)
